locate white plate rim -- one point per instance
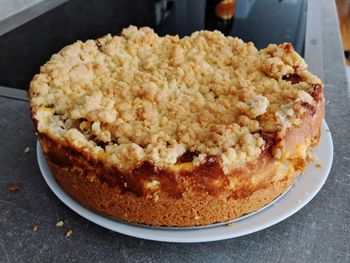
(301, 193)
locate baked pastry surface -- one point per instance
(176, 132)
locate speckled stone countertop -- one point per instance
(320, 232)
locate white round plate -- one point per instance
(304, 189)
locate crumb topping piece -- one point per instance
(60, 223)
(28, 150)
(140, 97)
(319, 165)
(69, 233)
(13, 187)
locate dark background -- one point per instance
(24, 49)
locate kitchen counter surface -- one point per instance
(320, 232)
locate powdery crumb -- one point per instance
(60, 223)
(13, 187)
(28, 150)
(327, 130)
(232, 224)
(319, 165)
(69, 233)
(34, 228)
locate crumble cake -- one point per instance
(170, 131)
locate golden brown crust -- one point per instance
(194, 208)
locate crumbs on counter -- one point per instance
(319, 165)
(69, 233)
(28, 150)
(34, 228)
(13, 187)
(60, 223)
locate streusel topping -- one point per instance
(140, 97)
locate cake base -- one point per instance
(191, 210)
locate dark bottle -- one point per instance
(219, 15)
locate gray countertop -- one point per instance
(320, 232)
